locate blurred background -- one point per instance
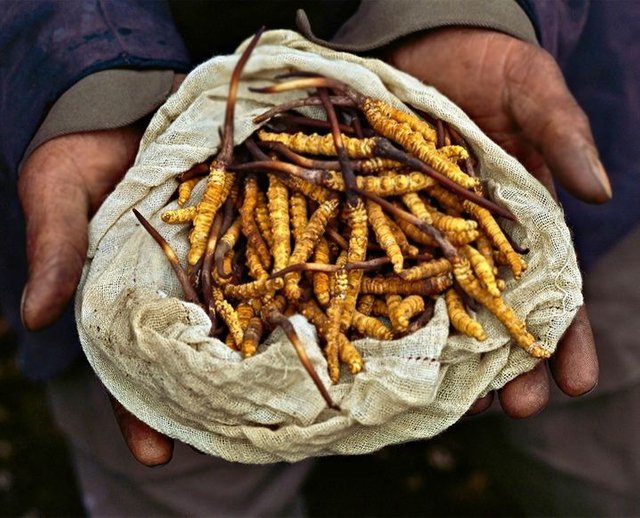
(424, 478)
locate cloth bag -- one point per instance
(152, 350)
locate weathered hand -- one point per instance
(516, 93)
(61, 185)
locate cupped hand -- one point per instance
(62, 184)
(517, 95)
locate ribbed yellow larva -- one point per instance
(315, 144)
(460, 319)
(384, 235)
(493, 231)
(357, 220)
(278, 199)
(505, 314)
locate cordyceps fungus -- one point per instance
(358, 227)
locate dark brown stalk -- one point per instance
(356, 123)
(226, 146)
(302, 83)
(447, 248)
(516, 247)
(309, 163)
(371, 264)
(456, 138)
(189, 293)
(207, 264)
(439, 133)
(275, 318)
(201, 169)
(229, 215)
(335, 236)
(345, 163)
(314, 176)
(385, 149)
(313, 123)
(470, 170)
(337, 100)
(306, 267)
(419, 322)
(221, 248)
(193, 273)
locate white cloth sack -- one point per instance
(152, 352)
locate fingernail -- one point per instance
(22, 303)
(597, 170)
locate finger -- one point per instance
(574, 366)
(148, 446)
(550, 118)
(527, 394)
(480, 405)
(55, 206)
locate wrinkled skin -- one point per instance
(515, 93)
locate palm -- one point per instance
(61, 185)
(516, 93)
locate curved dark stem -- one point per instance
(201, 169)
(345, 163)
(222, 248)
(337, 238)
(356, 123)
(189, 292)
(469, 169)
(315, 176)
(193, 273)
(385, 149)
(207, 264)
(229, 216)
(305, 267)
(221, 251)
(255, 151)
(226, 147)
(419, 322)
(313, 123)
(337, 100)
(301, 83)
(445, 245)
(516, 247)
(439, 133)
(310, 163)
(274, 317)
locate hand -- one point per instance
(61, 186)
(516, 94)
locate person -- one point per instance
(93, 71)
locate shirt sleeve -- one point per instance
(50, 45)
(377, 23)
(104, 100)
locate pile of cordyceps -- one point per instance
(357, 224)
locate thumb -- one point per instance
(56, 207)
(551, 120)
(61, 184)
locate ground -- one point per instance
(423, 478)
